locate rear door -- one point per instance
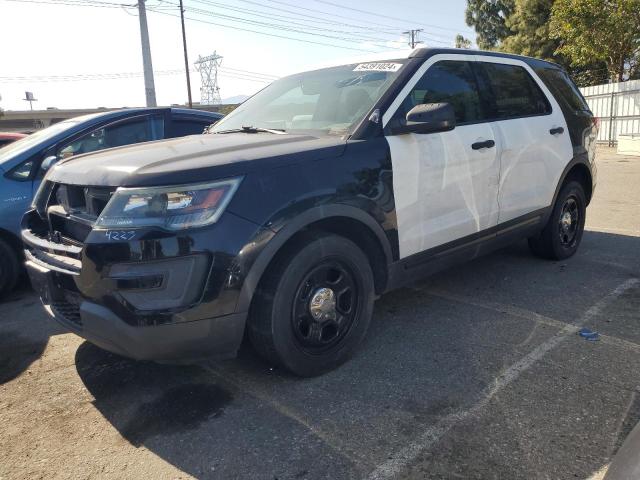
(531, 133)
(445, 184)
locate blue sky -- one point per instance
(81, 42)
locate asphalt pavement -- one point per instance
(477, 372)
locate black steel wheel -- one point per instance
(325, 306)
(314, 305)
(568, 222)
(561, 236)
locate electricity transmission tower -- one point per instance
(413, 37)
(208, 68)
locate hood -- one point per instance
(193, 159)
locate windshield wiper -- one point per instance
(250, 129)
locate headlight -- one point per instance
(171, 208)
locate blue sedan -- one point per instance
(23, 163)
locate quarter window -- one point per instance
(512, 92)
(448, 81)
(562, 86)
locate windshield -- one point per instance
(24, 144)
(328, 101)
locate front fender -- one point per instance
(268, 243)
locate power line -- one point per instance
(366, 12)
(307, 9)
(289, 20)
(266, 75)
(267, 34)
(287, 28)
(315, 16)
(80, 3)
(304, 17)
(226, 71)
(388, 28)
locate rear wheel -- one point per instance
(562, 235)
(9, 268)
(314, 306)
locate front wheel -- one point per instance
(561, 237)
(314, 306)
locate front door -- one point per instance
(445, 184)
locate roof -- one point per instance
(531, 61)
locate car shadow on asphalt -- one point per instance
(20, 346)
(424, 358)
(146, 399)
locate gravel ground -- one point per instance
(476, 372)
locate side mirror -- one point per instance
(48, 162)
(428, 118)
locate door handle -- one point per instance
(485, 144)
(556, 131)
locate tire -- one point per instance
(9, 268)
(292, 323)
(561, 237)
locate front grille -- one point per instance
(55, 233)
(72, 210)
(69, 309)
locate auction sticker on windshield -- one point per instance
(378, 67)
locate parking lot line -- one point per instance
(527, 315)
(340, 448)
(398, 462)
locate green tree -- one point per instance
(529, 28)
(488, 18)
(462, 42)
(607, 31)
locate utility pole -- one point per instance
(149, 85)
(186, 59)
(413, 37)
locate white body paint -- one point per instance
(444, 190)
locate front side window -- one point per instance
(512, 92)
(128, 132)
(331, 101)
(448, 81)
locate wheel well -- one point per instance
(12, 241)
(352, 229)
(581, 173)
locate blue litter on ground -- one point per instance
(589, 335)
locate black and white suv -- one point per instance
(322, 191)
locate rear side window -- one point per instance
(448, 81)
(512, 92)
(561, 85)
